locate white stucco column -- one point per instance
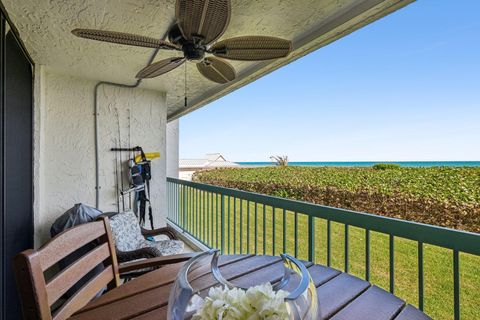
(172, 149)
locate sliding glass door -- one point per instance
(16, 162)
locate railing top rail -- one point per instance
(463, 241)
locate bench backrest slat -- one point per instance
(38, 295)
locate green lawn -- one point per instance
(240, 238)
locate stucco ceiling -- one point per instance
(45, 26)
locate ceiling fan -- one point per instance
(199, 23)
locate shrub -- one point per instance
(386, 166)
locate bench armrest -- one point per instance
(155, 262)
(155, 232)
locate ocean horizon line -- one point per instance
(367, 163)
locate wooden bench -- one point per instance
(41, 295)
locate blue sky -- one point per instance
(406, 87)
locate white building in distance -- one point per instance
(187, 167)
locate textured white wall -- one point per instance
(64, 144)
(172, 149)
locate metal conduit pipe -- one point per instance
(95, 117)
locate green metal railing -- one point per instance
(244, 222)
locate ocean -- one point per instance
(371, 163)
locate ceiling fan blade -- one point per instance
(124, 38)
(252, 48)
(207, 19)
(160, 67)
(216, 70)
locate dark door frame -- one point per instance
(3, 20)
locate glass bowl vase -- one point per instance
(187, 295)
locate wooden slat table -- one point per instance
(341, 296)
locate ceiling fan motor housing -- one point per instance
(192, 49)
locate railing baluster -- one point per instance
(175, 203)
(205, 217)
(211, 219)
(175, 212)
(172, 201)
(248, 226)
(456, 284)
(284, 231)
(179, 203)
(241, 226)
(192, 207)
(169, 201)
(184, 208)
(228, 224)
(367, 254)
(420, 276)
(264, 229)
(192, 212)
(204, 224)
(329, 242)
(200, 213)
(346, 248)
(234, 225)
(217, 227)
(198, 203)
(256, 228)
(189, 208)
(311, 238)
(392, 263)
(273, 230)
(222, 223)
(195, 212)
(169, 204)
(295, 236)
(197, 215)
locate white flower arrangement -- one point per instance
(259, 302)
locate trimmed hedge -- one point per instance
(386, 166)
(444, 196)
